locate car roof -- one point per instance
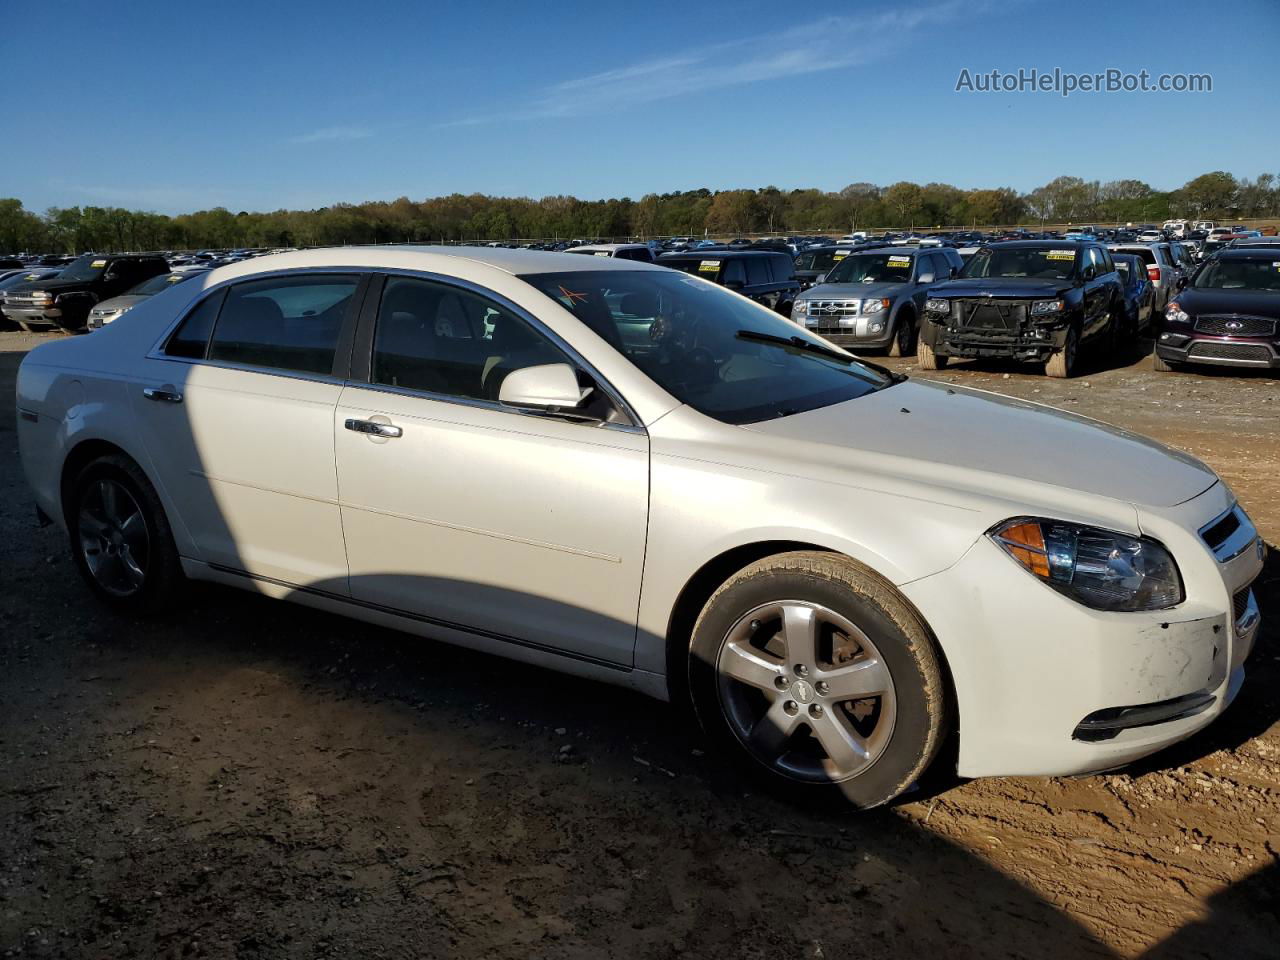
(1042, 242)
(428, 258)
(1247, 253)
(609, 246)
(721, 253)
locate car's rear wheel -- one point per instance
(1063, 363)
(120, 537)
(927, 359)
(904, 336)
(815, 673)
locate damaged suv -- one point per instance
(1039, 301)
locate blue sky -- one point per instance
(173, 107)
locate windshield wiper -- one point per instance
(800, 343)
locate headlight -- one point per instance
(799, 308)
(937, 306)
(874, 306)
(1098, 568)
(1042, 307)
(1175, 313)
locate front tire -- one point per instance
(813, 672)
(120, 537)
(927, 359)
(1160, 364)
(903, 343)
(1063, 363)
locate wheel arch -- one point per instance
(78, 457)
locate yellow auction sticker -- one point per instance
(899, 261)
(98, 264)
(838, 256)
(709, 266)
(1060, 255)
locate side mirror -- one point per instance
(925, 278)
(549, 386)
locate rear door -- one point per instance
(474, 515)
(236, 412)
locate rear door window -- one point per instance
(284, 323)
(191, 340)
(758, 271)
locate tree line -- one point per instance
(461, 218)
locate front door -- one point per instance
(474, 515)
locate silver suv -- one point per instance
(873, 299)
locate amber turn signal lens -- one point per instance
(1032, 554)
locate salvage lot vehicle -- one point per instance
(1139, 294)
(1229, 314)
(1032, 300)
(812, 264)
(873, 299)
(766, 277)
(476, 447)
(65, 300)
(1162, 267)
(110, 310)
(623, 251)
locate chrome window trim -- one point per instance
(157, 348)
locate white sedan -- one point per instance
(632, 474)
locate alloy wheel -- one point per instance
(114, 539)
(806, 691)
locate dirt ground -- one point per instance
(253, 779)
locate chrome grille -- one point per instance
(1239, 352)
(820, 309)
(991, 314)
(1239, 604)
(1233, 326)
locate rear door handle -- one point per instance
(373, 428)
(165, 394)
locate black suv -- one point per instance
(1229, 313)
(65, 301)
(764, 276)
(1032, 300)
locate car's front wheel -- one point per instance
(927, 358)
(120, 537)
(815, 672)
(903, 343)
(1063, 363)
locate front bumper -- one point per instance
(1257, 352)
(33, 316)
(1030, 666)
(1031, 342)
(854, 331)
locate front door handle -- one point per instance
(373, 428)
(165, 394)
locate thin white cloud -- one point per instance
(328, 134)
(827, 43)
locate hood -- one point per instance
(54, 286)
(1016, 288)
(122, 302)
(854, 291)
(1258, 303)
(999, 440)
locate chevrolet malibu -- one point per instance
(630, 473)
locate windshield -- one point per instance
(819, 259)
(694, 339)
(87, 267)
(1239, 275)
(1041, 263)
(149, 287)
(872, 268)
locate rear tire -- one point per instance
(120, 538)
(1063, 363)
(927, 359)
(814, 673)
